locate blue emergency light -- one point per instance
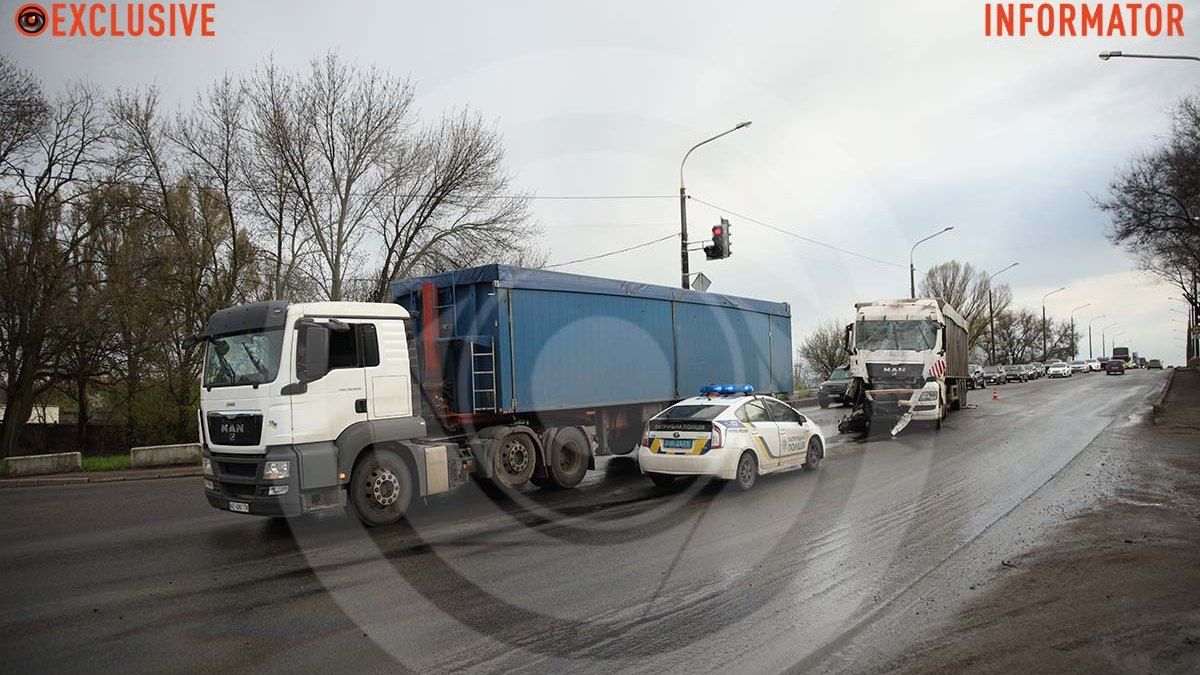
(726, 389)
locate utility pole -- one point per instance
(1090, 357)
(683, 230)
(992, 313)
(1074, 347)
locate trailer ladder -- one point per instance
(483, 377)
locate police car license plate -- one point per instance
(240, 507)
(677, 443)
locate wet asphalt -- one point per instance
(145, 577)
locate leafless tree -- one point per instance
(824, 348)
(23, 112)
(966, 289)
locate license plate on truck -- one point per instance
(240, 507)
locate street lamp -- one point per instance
(1060, 288)
(1074, 350)
(683, 233)
(1090, 333)
(912, 269)
(1102, 349)
(1104, 56)
(992, 312)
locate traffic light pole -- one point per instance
(683, 238)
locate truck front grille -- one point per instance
(240, 429)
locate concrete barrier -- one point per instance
(35, 465)
(1160, 401)
(165, 455)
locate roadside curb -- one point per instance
(802, 402)
(1160, 401)
(100, 477)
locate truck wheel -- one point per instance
(568, 457)
(381, 488)
(514, 460)
(812, 458)
(747, 471)
(661, 480)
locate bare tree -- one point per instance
(42, 239)
(23, 112)
(824, 348)
(966, 289)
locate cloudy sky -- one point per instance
(874, 124)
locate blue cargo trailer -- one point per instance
(499, 340)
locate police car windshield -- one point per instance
(691, 411)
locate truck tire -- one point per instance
(624, 441)
(514, 460)
(569, 450)
(381, 488)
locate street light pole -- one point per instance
(1104, 56)
(992, 313)
(1090, 334)
(1074, 349)
(912, 268)
(1060, 288)
(1102, 349)
(683, 231)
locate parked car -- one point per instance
(1015, 374)
(1114, 367)
(993, 375)
(833, 390)
(1058, 369)
(1039, 368)
(975, 372)
(1154, 364)
(1032, 371)
(1079, 366)
(736, 437)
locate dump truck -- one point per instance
(908, 362)
(506, 374)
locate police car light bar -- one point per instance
(726, 389)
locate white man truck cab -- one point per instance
(303, 406)
(908, 361)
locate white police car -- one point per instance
(728, 432)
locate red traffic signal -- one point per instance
(719, 248)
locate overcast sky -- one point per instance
(875, 123)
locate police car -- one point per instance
(731, 433)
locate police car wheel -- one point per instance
(812, 458)
(661, 480)
(381, 488)
(747, 471)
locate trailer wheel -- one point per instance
(514, 460)
(381, 488)
(568, 454)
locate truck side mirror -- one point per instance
(313, 364)
(846, 338)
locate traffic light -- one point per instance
(719, 249)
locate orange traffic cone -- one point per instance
(995, 393)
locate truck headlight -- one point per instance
(928, 395)
(276, 470)
(206, 466)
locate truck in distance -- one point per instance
(908, 361)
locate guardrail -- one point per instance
(36, 465)
(165, 455)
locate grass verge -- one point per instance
(106, 463)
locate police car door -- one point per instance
(763, 431)
(793, 433)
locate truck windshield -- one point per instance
(243, 358)
(906, 335)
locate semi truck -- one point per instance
(1122, 354)
(908, 362)
(506, 374)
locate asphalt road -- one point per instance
(146, 577)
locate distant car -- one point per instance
(1015, 374)
(833, 390)
(735, 437)
(1114, 367)
(1032, 371)
(994, 375)
(1058, 369)
(1154, 364)
(975, 375)
(1103, 361)
(1039, 368)
(1094, 365)
(1079, 366)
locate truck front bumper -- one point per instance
(236, 484)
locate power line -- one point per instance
(605, 255)
(793, 234)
